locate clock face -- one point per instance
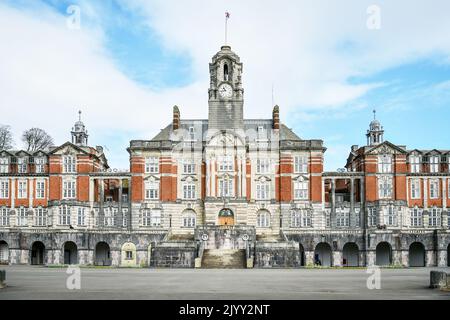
(225, 91)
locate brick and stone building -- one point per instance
(225, 185)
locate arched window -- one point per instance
(225, 72)
(263, 219)
(189, 219)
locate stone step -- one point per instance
(223, 259)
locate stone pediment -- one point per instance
(300, 178)
(386, 148)
(68, 148)
(151, 178)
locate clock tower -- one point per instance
(226, 96)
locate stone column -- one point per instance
(244, 177)
(130, 213)
(91, 193)
(239, 176)
(119, 223)
(425, 193)
(333, 203)
(12, 190)
(352, 203)
(102, 199)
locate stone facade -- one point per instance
(225, 183)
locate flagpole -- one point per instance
(226, 28)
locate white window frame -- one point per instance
(69, 164)
(385, 163)
(226, 187)
(226, 163)
(4, 164)
(152, 164)
(41, 217)
(81, 216)
(151, 190)
(301, 164)
(189, 191)
(263, 219)
(189, 220)
(414, 164)
(151, 218)
(434, 164)
(342, 218)
(22, 165)
(415, 189)
(22, 189)
(4, 216)
(263, 190)
(301, 190)
(69, 189)
(188, 166)
(390, 216)
(372, 216)
(40, 189)
(22, 217)
(4, 189)
(39, 164)
(416, 217)
(64, 215)
(385, 187)
(435, 217)
(262, 165)
(296, 219)
(434, 189)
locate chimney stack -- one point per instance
(176, 118)
(276, 117)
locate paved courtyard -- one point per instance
(28, 282)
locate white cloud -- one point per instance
(308, 50)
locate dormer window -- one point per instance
(39, 164)
(4, 165)
(434, 164)
(225, 72)
(22, 165)
(414, 162)
(261, 134)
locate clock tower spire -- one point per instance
(226, 95)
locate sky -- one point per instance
(125, 64)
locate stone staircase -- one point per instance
(223, 259)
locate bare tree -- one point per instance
(6, 138)
(36, 139)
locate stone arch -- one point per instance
(302, 255)
(263, 218)
(383, 254)
(322, 255)
(128, 254)
(38, 253)
(70, 251)
(226, 217)
(416, 254)
(350, 255)
(102, 254)
(189, 218)
(4, 252)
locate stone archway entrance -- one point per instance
(416, 255)
(322, 254)
(302, 255)
(226, 217)
(37, 253)
(350, 255)
(70, 253)
(383, 254)
(102, 254)
(4, 252)
(448, 256)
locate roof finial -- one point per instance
(374, 114)
(79, 115)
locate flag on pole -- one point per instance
(227, 15)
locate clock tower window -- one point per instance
(225, 72)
